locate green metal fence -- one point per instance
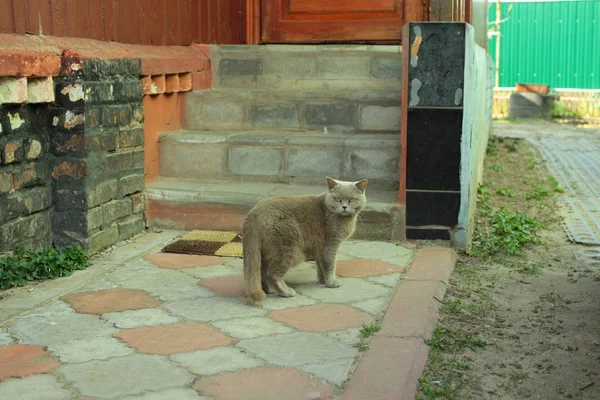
(556, 43)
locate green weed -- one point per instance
(555, 185)
(50, 263)
(508, 233)
(538, 193)
(369, 330)
(505, 192)
(444, 339)
(496, 167)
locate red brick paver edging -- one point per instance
(397, 355)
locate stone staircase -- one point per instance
(278, 120)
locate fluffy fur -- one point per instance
(280, 233)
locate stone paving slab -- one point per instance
(161, 326)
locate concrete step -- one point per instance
(307, 66)
(281, 156)
(340, 110)
(194, 204)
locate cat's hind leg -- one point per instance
(276, 281)
(320, 276)
(265, 282)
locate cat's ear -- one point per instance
(361, 185)
(331, 183)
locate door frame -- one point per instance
(253, 21)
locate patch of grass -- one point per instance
(361, 344)
(530, 165)
(512, 146)
(555, 185)
(432, 390)
(521, 267)
(496, 167)
(444, 339)
(508, 233)
(366, 331)
(505, 192)
(25, 265)
(538, 193)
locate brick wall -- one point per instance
(97, 139)
(72, 156)
(25, 195)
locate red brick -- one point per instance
(110, 300)
(181, 261)
(364, 268)
(76, 170)
(202, 80)
(265, 383)
(171, 83)
(187, 217)
(389, 369)
(19, 360)
(434, 264)
(321, 317)
(146, 84)
(229, 286)
(413, 310)
(28, 63)
(174, 338)
(158, 84)
(185, 82)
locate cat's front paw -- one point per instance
(333, 283)
(288, 293)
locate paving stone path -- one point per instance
(146, 325)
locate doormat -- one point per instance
(208, 243)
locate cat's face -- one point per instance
(345, 198)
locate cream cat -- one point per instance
(280, 233)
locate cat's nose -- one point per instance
(344, 207)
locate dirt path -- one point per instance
(527, 325)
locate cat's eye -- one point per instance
(337, 199)
(351, 200)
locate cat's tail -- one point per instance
(252, 265)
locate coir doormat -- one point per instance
(208, 243)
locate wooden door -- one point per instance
(314, 21)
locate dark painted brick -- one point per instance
(119, 161)
(131, 226)
(102, 193)
(103, 139)
(130, 137)
(138, 112)
(69, 95)
(330, 114)
(108, 68)
(138, 202)
(241, 67)
(99, 93)
(101, 239)
(128, 91)
(116, 209)
(68, 199)
(78, 221)
(93, 117)
(16, 232)
(118, 115)
(131, 184)
(6, 182)
(26, 201)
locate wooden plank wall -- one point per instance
(154, 22)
